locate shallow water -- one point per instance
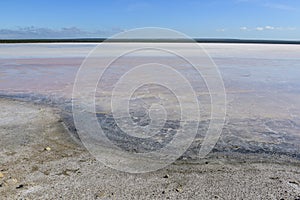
(261, 81)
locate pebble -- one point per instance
(294, 182)
(20, 186)
(48, 149)
(11, 181)
(166, 176)
(179, 189)
(1, 175)
(100, 194)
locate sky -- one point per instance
(243, 19)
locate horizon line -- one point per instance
(151, 40)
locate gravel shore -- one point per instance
(40, 159)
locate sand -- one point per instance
(41, 159)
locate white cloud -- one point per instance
(286, 28)
(259, 28)
(269, 28)
(69, 32)
(291, 28)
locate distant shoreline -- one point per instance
(99, 40)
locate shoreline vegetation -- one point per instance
(95, 40)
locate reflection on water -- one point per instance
(261, 81)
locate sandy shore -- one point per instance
(39, 159)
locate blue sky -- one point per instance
(257, 19)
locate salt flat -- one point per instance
(258, 148)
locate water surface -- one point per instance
(261, 81)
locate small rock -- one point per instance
(1, 175)
(48, 149)
(10, 153)
(179, 189)
(166, 176)
(34, 168)
(112, 194)
(100, 194)
(20, 186)
(294, 182)
(11, 181)
(235, 147)
(46, 172)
